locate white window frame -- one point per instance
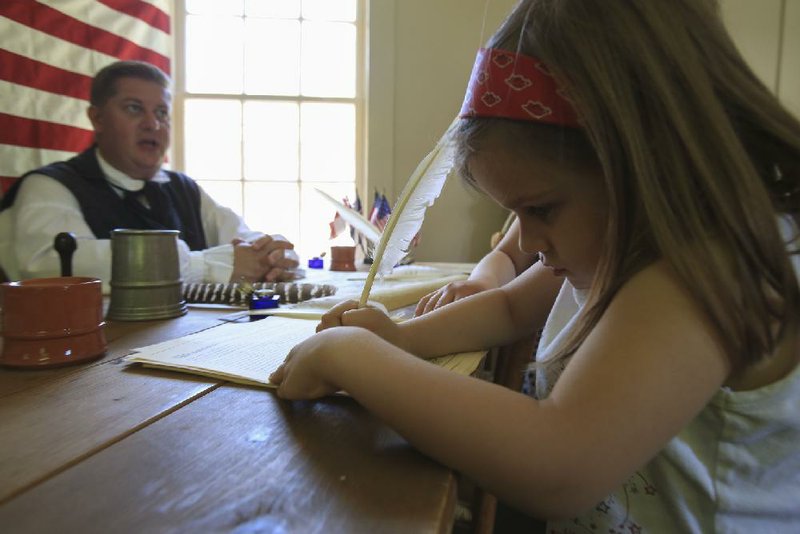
(180, 94)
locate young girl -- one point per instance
(655, 175)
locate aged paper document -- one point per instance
(247, 353)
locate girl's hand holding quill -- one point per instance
(348, 313)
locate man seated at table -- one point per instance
(119, 182)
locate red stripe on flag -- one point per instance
(53, 22)
(141, 10)
(33, 133)
(5, 182)
(31, 73)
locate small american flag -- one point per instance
(338, 224)
(381, 211)
(49, 52)
(358, 209)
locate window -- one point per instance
(268, 106)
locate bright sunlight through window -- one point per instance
(270, 106)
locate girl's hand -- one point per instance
(449, 293)
(307, 371)
(349, 314)
(333, 317)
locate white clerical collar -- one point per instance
(121, 180)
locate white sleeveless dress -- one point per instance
(735, 468)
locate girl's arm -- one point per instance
(488, 319)
(501, 265)
(650, 365)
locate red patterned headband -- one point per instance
(514, 86)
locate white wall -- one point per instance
(421, 56)
(755, 28)
(767, 33)
(789, 73)
(435, 42)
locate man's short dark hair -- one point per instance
(104, 84)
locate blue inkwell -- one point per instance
(315, 263)
(262, 302)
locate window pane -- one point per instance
(278, 9)
(251, 137)
(317, 213)
(330, 9)
(272, 57)
(213, 139)
(228, 194)
(270, 141)
(272, 208)
(214, 7)
(328, 64)
(327, 142)
(213, 54)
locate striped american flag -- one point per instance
(49, 51)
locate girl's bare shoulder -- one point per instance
(657, 299)
(658, 292)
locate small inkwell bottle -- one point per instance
(263, 299)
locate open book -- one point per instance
(247, 353)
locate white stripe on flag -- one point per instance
(17, 160)
(103, 17)
(163, 5)
(31, 103)
(43, 103)
(45, 48)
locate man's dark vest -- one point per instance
(174, 205)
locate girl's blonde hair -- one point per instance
(698, 157)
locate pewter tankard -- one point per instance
(145, 275)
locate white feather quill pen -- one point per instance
(421, 190)
(354, 219)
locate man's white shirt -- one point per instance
(44, 207)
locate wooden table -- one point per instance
(110, 447)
